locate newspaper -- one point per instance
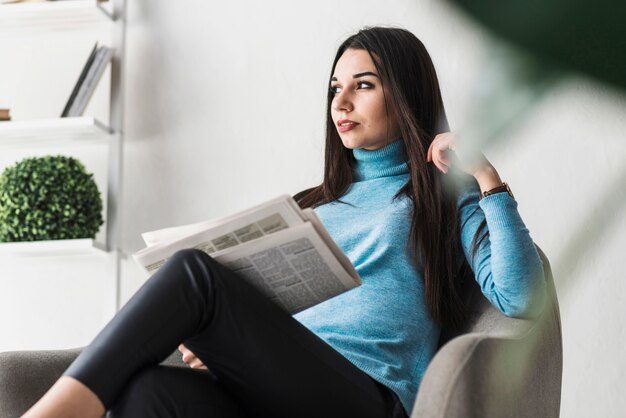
(283, 251)
(284, 208)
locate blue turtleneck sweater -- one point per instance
(383, 326)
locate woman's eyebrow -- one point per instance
(357, 75)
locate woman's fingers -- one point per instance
(444, 153)
(439, 162)
(196, 363)
(442, 167)
(190, 359)
(439, 151)
(188, 356)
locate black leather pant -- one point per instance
(263, 363)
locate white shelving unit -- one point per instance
(55, 131)
(21, 18)
(58, 248)
(35, 19)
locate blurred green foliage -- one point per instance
(48, 198)
(573, 35)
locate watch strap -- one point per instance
(500, 189)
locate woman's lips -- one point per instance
(346, 126)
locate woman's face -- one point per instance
(358, 105)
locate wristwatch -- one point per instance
(500, 189)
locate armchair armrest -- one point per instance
(26, 375)
(499, 367)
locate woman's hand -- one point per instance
(444, 152)
(190, 358)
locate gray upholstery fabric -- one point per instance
(26, 375)
(495, 367)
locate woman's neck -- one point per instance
(390, 160)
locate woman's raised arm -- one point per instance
(506, 263)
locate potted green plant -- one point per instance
(48, 198)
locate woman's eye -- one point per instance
(360, 85)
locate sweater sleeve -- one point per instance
(506, 265)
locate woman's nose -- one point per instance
(342, 103)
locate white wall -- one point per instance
(225, 108)
(54, 302)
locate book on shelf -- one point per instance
(282, 250)
(5, 114)
(87, 81)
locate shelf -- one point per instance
(57, 131)
(52, 15)
(58, 248)
(39, 24)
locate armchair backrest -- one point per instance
(497, 366)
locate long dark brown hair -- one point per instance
(405, 66)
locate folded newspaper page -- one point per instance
(283, 251)
(276, 214)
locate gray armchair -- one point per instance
(495, 367)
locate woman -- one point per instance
(410, 233)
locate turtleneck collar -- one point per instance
(389, 160)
